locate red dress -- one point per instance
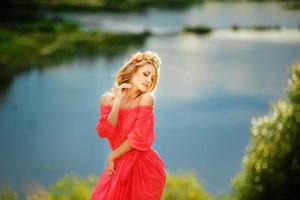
(140, 173)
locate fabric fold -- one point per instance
(139, 173)
(127, 165)
(142, 136)
(104, 128)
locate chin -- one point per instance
(143, 90)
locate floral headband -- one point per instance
(143, 56)
(135, 61)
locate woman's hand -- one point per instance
(110, 166)
(121, 90)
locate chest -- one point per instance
(129, 104)
(127, 119)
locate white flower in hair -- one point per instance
(147, 55)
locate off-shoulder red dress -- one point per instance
(140, 174)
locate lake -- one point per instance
(210, 88)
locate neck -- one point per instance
(132, 93)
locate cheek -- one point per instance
(140, 77)
(137, 79)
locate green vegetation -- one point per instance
(42, 43)
(99, 5)
(180, 186)
(185, 186)
(271, 167)
(256, 27)
(72, 187)
(292, 5)
(7, 193)
(198, 29)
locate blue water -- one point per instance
(210, 89)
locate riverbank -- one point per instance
(123, 6)
(100, 5)
(42, 43)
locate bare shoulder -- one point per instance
(147, 99)
(106, 99)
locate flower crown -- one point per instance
(148, 56)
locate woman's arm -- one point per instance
(146, 99)
(113, 115)
(121, 150)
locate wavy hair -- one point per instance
(131, 65)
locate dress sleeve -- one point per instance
(142, 136)
(104, 128)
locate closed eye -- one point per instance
(148, 75)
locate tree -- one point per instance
(271, 166)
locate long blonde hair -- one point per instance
(131, 65)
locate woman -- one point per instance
(134, 169)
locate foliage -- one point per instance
(236, 27)
(40, 194)
(44, 43)
(98, 5)
(184, 186)
(271, 167)
(50, 26)
(180, 186)
(7, 193)
(72, 187)
(198, 29)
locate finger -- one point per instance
(112, 170)
(126, 85)
(109, 170)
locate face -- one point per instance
(143, 77)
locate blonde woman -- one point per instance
(134, 168)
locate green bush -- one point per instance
(72, 187)
(180, 186)
(184, 186)
(7, 193)
(50, 26)
(198, 29)
(271, 167)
